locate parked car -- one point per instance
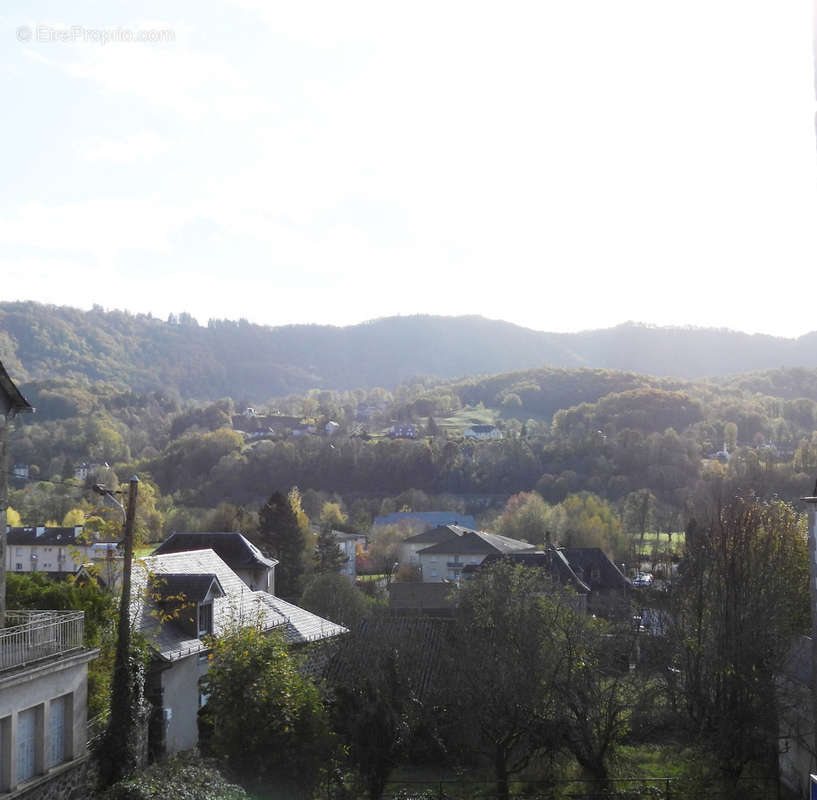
(643, 579)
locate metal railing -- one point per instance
(661, 788)
(34, 635)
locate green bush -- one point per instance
(180, 778)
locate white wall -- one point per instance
(36, 687)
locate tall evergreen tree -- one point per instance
(328, 556)
(279, 533)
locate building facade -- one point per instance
(43, 701)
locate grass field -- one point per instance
(466, 417)
(653, 538)
(660, 543)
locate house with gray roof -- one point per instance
(552, 561)
(179, 600)
(409, 548)
(445, 560)
(609, 587)
(255, 568)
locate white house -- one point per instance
(61, 550)
(348, 542)
(178, 600)
(446, 560)
(43, 700)
(482, 432)
(43, 677)
(409, 549)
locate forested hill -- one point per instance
(243, 360)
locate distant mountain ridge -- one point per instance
(243, 360)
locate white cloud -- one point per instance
(142, 146)
(103, 227)
(560, 167)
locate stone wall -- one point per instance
(67, 782)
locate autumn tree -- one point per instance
(384, 547)
(376, 681)
(526, 516)
(506, 651)
(332, 515)
(335, 597)
(597, 691)
(741, 597)
(73, 517)
(639, 512)
(586, 520)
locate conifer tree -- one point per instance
(280, 535)
(328, 556)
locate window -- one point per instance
(18, 566)
(58, 716)
(203, 696)
(205, 618)
(27, 744)
(20, 551)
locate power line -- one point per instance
(70, 482)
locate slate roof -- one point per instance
(431, 519)
(583, 560)
(345, 536)
(234, 548)
(340, 536)
(476, 542)
(42, 535)
(442, 533)
(11, 400)
(418, 642)
(238, 606)
(423, 597)
(553, 561)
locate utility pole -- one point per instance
(119, 752)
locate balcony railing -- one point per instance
(34, 635)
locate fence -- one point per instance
(35, 635)
(574, 789)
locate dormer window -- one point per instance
(186, 599)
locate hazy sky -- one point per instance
(561, 164)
